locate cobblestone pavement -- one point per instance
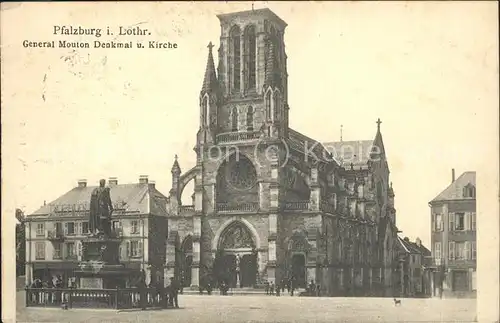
(262, 308)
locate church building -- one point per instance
(269, 203)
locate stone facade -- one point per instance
(453, 237)
(270, 203)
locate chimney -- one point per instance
(406, 239)
(418, 242)
(82, 183)
(453, 175)
(151, 184)
(113, 181)
(143, 179)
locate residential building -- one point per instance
(55, 231)
(414, 257)
(453, 214)
(271, 203)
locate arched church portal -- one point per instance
(298, 248)
(186, 261)
(236, 259)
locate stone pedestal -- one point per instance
(100, 267)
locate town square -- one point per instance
(262, 308)
(241, 176)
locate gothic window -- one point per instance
(276, 106)
(250, 118)
(235, 38)
(205, 112)
(234, 119)
(241, 174)
(268, 105)
(251, 60)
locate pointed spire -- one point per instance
(176, 169)
(210, 79)
(341, 128)
(270, 64)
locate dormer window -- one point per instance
(469, 191)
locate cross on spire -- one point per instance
(378, 124)
(210, 46)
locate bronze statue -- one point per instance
(101, 209)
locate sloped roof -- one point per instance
(140, 198)
(455, 190)
(412, 247)
(302, 143)
(356, 152)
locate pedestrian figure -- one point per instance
(272, 288)
(174, 292)
(318, 290)
(266, 286)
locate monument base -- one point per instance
(101, 268)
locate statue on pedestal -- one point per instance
(101, 209)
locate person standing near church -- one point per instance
(174, 292)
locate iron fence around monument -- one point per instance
(122, 298)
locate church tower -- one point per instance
(252, 73)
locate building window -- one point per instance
(40, 229)
(205, 110)
(268, 105)
(276, 106)
(473, 250)
(69, 227)
(235, 37)
(85, 227)
(134, 227)
(57, 251)
(251, 41)
(473, 280)
(459, 219)
(469, 191)
(250, 118)
(234, 119)
(134, 249)
(70, 250)
(473, 221)
(437, 250)
(40, 250)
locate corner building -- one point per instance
(270, 203)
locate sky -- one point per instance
(428, 70)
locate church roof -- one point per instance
(302, 143)
(139, 198)
(356, 152)
(455, 190)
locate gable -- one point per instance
(455, 191)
